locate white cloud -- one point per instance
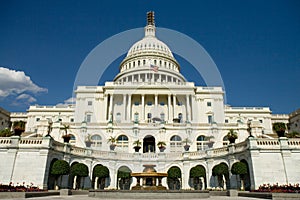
(26, 97)
(14, 82)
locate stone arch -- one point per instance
(100, 182)
(197, 177)
(247, 178)
(174, 178)
(51, 178)
(124, 178)
(221, 179)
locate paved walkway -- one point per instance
(85, 197)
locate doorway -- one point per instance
(149, 144)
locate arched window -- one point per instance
(225, 140)
(139, 63)
(175, 144)
(149, 117)
(96, 141)
(122, 143)
(202, 143)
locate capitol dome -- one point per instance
(149, 54)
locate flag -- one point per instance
(154, 68)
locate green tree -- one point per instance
(241, 169)
(220, 170)
(59, 168)
(124, 177)
(102, 173)
(195, 173)
(174, 175)
(6, 133)
(279, 128)
(79, 170)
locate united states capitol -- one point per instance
(150, 114)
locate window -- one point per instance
(210, 119)
(226, 120)
(37, 119)
(96, 141)
(180, 117)
(122, 143)
(90, 103)
(144, 62)
(149, 103)
(175, 144)
(136, 117)
(136, 103)
(154, 62)
(139, 63)
(88, 117)
(149, 117)
(202, 143)
(261, 121)
(162, 103)
(72, 120)
(208, 104)
(162, 116)
(118, 117)
(179, 103)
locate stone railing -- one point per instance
(267, 142)
(30, 141)
(5, 141)
(294, 143)
(251, 143)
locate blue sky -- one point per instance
(255, 45)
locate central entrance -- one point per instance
(149, 144)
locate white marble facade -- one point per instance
(151, 105)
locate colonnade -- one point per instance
(172, 101)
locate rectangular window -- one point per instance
(179, 103)
(261, 121)
(136, 103)
(226, 120)
(71, 120)
(37, 119)
(209, 119)
(162, 103)
(90, 103)
(208, 104)
(88, 118)
(149, 103)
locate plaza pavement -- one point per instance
(85, 197)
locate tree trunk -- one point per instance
(96, 183)
(55, 184)
(74, 182)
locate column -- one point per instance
(156, 100)
(129, 108)
(105, 107)
(188, 107)
(174, 105)
(170, 117)
(111, 99)
(143, 107)
(124, 109)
